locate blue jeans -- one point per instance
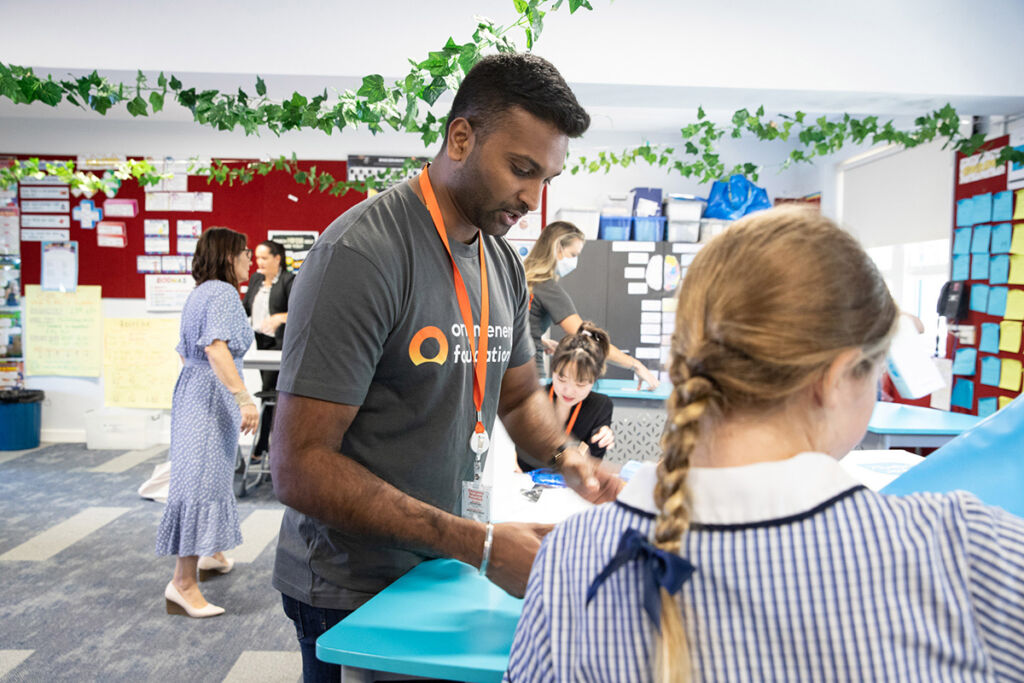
(310, 624)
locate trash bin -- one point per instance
(21, 418)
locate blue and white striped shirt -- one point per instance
(802, 575)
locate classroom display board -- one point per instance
(628, 288)
(988, 254)
(154, 230)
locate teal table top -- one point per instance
(896, 418)
(440, 620)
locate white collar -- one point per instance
(750, 493)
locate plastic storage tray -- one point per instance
(614, 228)
(648, 228)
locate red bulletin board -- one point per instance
(252, 208)
(975, 318)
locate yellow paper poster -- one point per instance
(1009, 336)
(1004, 401)
(1009, 379)
(140, 365)
(1016, 270)
(1015, 304)
(1018, 212)
(1017, 244)
(62, 332)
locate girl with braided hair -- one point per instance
(578, 362)
(747, 553)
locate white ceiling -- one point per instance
(638, 65)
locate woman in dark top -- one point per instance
(577, 363)
(554, 256)
(266, 304)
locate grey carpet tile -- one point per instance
(95, 610)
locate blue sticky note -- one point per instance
(962, 266)
(996, 301)
(1002, 206)
(979, 267)
(991, 368)
(983, 208)
(963, 394)
(998, 269)
(987, 406)
(1002, 237)
(962, 241)
(964, 361)
(979, 243)
(989, 338)
(963, 212)
(979, 298)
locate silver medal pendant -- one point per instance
(479, 442)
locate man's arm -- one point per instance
(530, 421)
(311, 476)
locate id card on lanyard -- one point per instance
(476, 498)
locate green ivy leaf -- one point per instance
(176, 84)
(372, 88)
(261, 87)
(156, 100)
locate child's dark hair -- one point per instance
(586, 351)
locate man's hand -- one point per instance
(584, 475)
(512, 552)
(549, 345)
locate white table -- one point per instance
(262, 359)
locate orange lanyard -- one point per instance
(479, 359)
(575, 412)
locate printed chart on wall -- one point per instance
(296, 243)
(62, 332)
(988, 253)
(140, 365)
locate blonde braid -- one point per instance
(693, 398)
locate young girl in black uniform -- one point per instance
(578, 362)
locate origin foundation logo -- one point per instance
(420, 343)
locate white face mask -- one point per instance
(566, 266)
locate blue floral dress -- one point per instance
(201, 517)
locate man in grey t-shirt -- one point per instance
(376, 406)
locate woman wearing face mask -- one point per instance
(554, 256)
(577, 363)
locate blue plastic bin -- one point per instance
(614, 228)
(20, 419)
(648, 228)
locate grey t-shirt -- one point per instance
(374, 322)
(551, 305)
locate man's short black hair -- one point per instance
(502, 81)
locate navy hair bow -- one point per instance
(660, 569)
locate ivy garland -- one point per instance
(405, 106)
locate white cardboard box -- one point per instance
(122, 429)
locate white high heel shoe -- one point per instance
(176, 604)
(208, 567)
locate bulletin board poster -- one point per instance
(140, 365)
(62, 332)
(296, 243)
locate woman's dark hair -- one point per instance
(215, 255)
(276, 249)
(500, 82)
(586, 351)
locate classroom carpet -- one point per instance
(81, 590)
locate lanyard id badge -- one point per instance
(475, 496)
(476, 501)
